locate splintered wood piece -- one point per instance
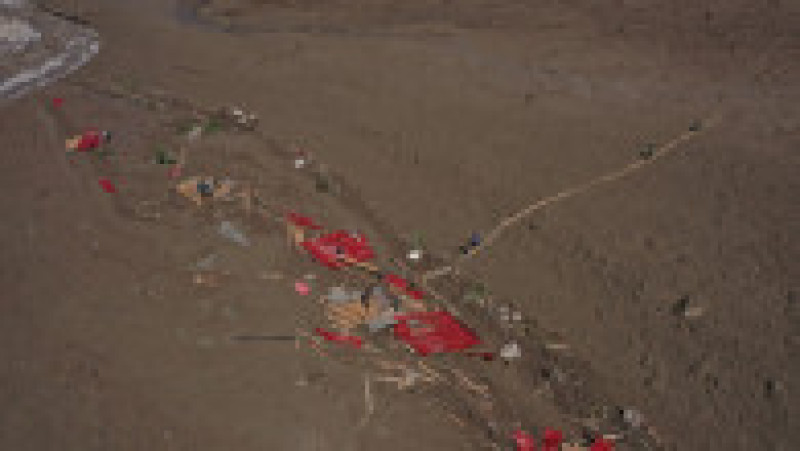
(469, 384)
(188, 188)
(247, 199)
(414, 305)
(369, 402)
(346, 316)
(223, 190)
(433, 374)
(390, 365)
(350, 310)
(72, 143)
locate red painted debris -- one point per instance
(524, 440)
(396, 281)
(89, 140)
(107, 185)
(174, 171)
(601, 444)
(437, 332)
(302, 221)
(348, 339)
(402, 284)
(335, 249)
(552, 440)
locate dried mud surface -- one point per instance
(675, 289)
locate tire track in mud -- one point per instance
(526, 393)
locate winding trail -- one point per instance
(515, 218)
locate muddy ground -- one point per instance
(440, 118)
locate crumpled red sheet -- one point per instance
(339, 249)
(403, 285)
(89, 140)
(302, 221)
(107, 185)
(601, 444)
(524, 441)
(346, 339)
(551, 441)
(434, 332)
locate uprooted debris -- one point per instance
(361, 315)
(87, 141)
(199, 189)
(358, 314)
(233, 118)
(228, 230)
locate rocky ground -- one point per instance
(672, 292)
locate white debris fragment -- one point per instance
(194, 133)
(633, 417)
(511, 351)
(414, 254)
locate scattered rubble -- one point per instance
(107, 185)
(228, 230)
(302, 288)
